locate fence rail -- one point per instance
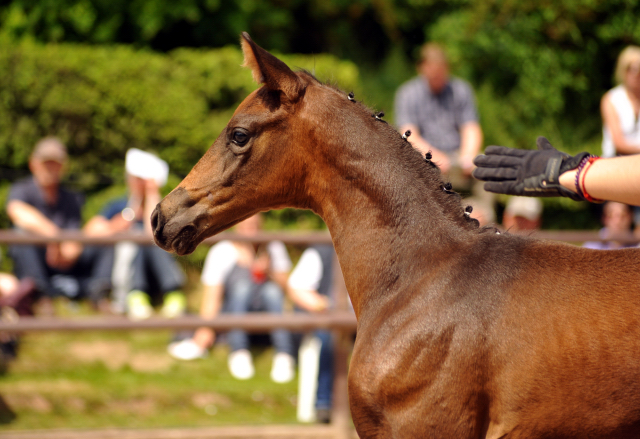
(341, 321)
(294, 238)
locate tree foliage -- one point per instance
(103, 100)
(538, 67)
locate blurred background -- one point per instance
(164, 76)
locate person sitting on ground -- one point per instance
(616, 219)
(41, 205)
(238, 278)
(152, 269)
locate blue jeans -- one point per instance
(243, 296)
(324, 393)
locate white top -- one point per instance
(308, 271)
(628, 122)
(223, 256)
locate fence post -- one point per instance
(340, 412)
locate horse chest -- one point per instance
(427, 383)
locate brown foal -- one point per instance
(462, 332)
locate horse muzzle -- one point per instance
(173, 223)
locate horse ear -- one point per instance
(269, 70)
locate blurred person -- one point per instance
(41, 205)
(151, 269)
(616, 219)
(440, 112)
(239, 278)
(16, 299)
(620, 107)
(547, 172)
(522, 213)
(310, 289)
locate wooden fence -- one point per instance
(340, 320)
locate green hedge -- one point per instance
(102, 100)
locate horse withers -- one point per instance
(462, 332)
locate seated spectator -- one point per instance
(238, 278)
(41, 205)
(16, 299)
(617, 218)
(522, 213)
(152, 270)
(310, 286)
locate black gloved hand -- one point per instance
(526, 172)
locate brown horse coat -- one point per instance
(462, 332)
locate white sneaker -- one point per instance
(241, 364)
(282, 369)
(186, 350)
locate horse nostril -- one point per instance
(155, 219)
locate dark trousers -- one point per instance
(156, 272)
(89, 278)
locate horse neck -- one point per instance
(389, 217)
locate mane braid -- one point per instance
(429, 172)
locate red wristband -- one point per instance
(588, 197)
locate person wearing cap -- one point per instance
(40, 204)
(522, 213)
(140, 271)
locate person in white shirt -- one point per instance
(620, 107)
(310, 288)
(238, 278)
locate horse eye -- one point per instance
(240, 137)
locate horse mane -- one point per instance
(423, 169)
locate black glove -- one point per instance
(526, 172)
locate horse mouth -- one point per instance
(186, 241)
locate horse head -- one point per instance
(252, 154)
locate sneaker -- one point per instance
(186, 350)
(175, 305)
(323, 416)
(138, 305)
(241, 364)
(282, 370)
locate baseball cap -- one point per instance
(146, 165)
(526, 207)
(50, 148)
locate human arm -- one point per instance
(548, 172)
(611, 121)
(60, 255)
(613, 179)
(303, 284)
(219, 262)
(470, 143)
(151, 200)
(26, 217)
(210, 306)
(102, 226)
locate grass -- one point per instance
(126, 379)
